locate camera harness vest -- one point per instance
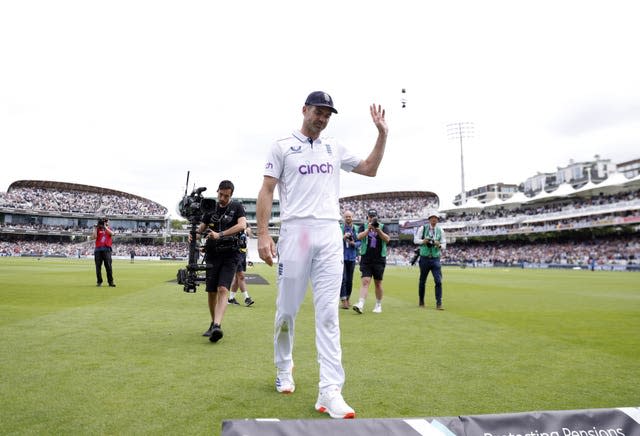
(226, 243)
(103, 240)
(365, 242)
(428, 233)
(354, 229)
(350, 252)
(217, 217)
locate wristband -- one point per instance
(221, 233)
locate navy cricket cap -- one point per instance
(372, 213)
(319, 98)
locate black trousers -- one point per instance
(100, 257)
(430, 264)
(347, 279)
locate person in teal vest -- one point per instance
(373, 260)
(431, 239)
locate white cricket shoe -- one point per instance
(284, 381)
(330, 401)
(377, 308)
(358, 307)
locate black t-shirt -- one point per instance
(223, 218)
(373, 253)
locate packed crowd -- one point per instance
(41, 248)
(153, 228)
(561, 214)
(604, 251)
(53, 200)
(617, 250)
(392, 208)
(574, 204)
(484, 228)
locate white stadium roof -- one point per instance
(615, 183)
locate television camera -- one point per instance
(193, 207)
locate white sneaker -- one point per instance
(358, 307)
(330, 401)
(377, 308)
(284, 381)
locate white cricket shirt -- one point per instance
(308, 175)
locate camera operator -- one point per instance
(431, 240)
(103, 234)
(221, 230)
(373, 260)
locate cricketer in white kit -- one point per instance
(306, 170)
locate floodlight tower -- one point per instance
(461, 131)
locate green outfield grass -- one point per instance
(77, 359)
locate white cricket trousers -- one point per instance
(310, 250)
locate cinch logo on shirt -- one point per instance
(268, 166)
(325, 168)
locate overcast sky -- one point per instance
(130, 95)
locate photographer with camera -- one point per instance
(103, 235)
(350, 245)
(373, 260)
(221, 230)
(431, 239)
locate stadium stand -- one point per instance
(595, 226)
(35, 195)
(66, 212)
(391, 205)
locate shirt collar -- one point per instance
(302, 138)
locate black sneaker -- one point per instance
(248, 301)
(112, 285)
(208, 332)
(233, 301)
(216, 333)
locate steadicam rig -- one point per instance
(193, 207)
